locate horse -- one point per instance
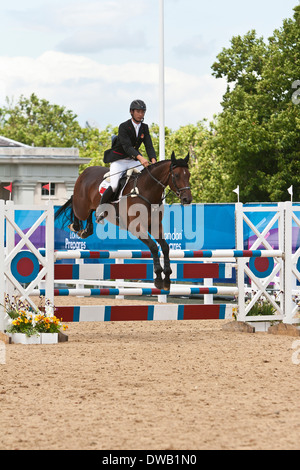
(143, 191)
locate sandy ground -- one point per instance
(184, 385)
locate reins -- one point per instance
(178, 190)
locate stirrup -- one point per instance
(100, 218)
(100, 215)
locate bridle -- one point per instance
(178, 190)
(171, 173)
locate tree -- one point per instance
(34, 121)
(204, 165)
(257, 132)
(95, 144)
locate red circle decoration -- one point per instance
(25, 267)
(261, 264)
(261, 267)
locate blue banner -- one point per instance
(195, 227)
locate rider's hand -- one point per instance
(143, 160)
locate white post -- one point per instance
(208, 298)
(120, 297)
(161, 85)
(282, 218)
(49, 247)
(2, 254)
(239, 242)
(288, 264)
(10, 242)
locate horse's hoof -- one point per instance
(166, 285)
(83, 234)
(159, 284)
(71, 227)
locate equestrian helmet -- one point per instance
(138, 104)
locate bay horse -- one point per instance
(144, 191)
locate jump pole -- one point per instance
(174, 254)
(135, 291)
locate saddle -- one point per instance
(125, 177)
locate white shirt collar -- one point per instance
(136, 126)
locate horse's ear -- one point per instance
(187, 158)
(173, 158)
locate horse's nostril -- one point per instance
(186, 200)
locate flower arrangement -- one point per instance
(263, 306)
(24, 319)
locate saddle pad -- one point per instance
(106, 181)
(104, 185)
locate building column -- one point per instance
(23, 193)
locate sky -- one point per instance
(96, 56)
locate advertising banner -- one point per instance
(197, 226)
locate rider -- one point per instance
(125, 153)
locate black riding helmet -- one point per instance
(138, 104)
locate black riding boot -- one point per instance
(106, 199)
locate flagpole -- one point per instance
(161, 85)
(291, 192)
(237, 191)
(9, 188)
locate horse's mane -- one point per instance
(180, 162)
(153, 166)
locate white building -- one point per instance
(31, 168)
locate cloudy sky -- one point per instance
(95, 56)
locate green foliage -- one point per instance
(95, 144)
(258, 130)
(35, 121)
(205, 166)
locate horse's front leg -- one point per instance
(167, 265)
(138, 217)
(158, 281)
(158, 233)
(89, 229)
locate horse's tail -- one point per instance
(67, 212)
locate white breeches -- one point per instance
(117, 168)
